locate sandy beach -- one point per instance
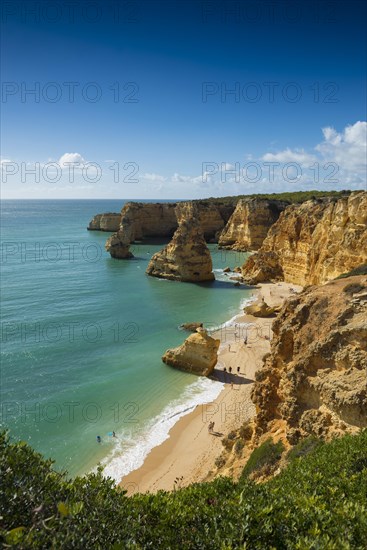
(189, 454)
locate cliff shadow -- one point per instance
(230, 378)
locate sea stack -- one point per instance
(118, 248)
(186, 257)
(198, 354)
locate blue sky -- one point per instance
(152, 115)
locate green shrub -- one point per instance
(219, 461)
(238, 446)
(266, 455)
(232, 435)
(291, 197)
(303, 447)
(246, 431)
(318, 502)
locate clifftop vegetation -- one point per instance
(291, 197)
(318, 501)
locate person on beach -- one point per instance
(238, 370)
(224, 370)
(230, 370)
(113, 434)
(229, 347)
(99, 439)
(210, 427)
(245, 341)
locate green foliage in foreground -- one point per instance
(318, 502)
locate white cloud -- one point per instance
(203, 180)
(297, 155)
(226, 166)
(71, 158)
(347, 148)
(178, 178)
(153, 177)
(339, 161)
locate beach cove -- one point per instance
(188, 455)
(83, 335)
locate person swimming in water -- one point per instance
(99, 439)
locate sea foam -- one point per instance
(130, 451)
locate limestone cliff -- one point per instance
(210, 219)
(249, 224)
(141, 221)
(186, 257)
(105, 222)
(313, 242)
(198, 354)
(314, 381)
(145, 220)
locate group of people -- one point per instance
(230, 370)
(210, 427)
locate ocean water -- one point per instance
(82, 337)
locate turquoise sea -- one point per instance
(82, 337)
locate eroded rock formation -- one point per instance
(191, 327)
(147, 220)
(249, 224)
(118, 248)
(314, 381)
(198, 354)
(141, 221)
(105, 222)
(186, 257)
(313, 242)
(259, 309)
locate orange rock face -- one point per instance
(313, 242)
(198, 354)
(314, 381)
(186, 257)
(249, 224)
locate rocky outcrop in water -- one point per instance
(105, 222)
(186, 257)
(314, 381)
(249, 224)
(198, 354)
(117, 248)
(144, 221)
(313, 242)
(191, 327)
